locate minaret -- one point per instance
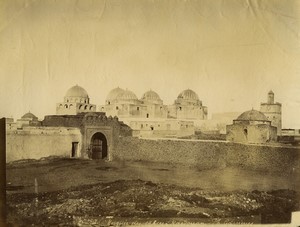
(272, 111)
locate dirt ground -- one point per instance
(72, 192)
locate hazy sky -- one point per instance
(231, 52)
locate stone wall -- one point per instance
(38, 142)
(209, 154)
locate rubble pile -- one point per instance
(143, 200)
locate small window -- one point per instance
(85, 107)
(147, 115)
(66, 106)
(180, 108)
(117, 107)
(91, 107)
(138, 108)
(142, 126)
(152, 128)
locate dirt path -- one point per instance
(84, 192)
(56, 174)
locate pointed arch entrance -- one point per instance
(98, 146)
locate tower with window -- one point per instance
(272, 111)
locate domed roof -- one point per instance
(77, 91)
(112, 95)
(29, 115)
(127, 95)
(188, 94)
(252, 115)
(151, 96)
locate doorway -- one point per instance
(74, 149)
(98, 146)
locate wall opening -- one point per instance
(98, 147)
(74, 149)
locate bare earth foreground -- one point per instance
(88, 192)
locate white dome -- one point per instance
(77, 91)
(188, 95)
(127, 95)
(112, 95)
(151, 96)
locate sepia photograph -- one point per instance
(150, 112)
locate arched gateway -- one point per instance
(98, 146)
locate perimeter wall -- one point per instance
(209, 154)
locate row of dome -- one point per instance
(121, 94)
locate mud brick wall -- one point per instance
(209, 154)
(37, 143)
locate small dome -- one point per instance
(271, 92)
(188, 95)
(112, 95)
(151, 96)
(252, 115)
(77, 91)
(29, 115)
(127, 95)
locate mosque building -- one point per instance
(149, 116)
(75, 101)
(78, 130)
(125, 104)
(187, 106)
(251, 127)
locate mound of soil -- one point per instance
(138, 201)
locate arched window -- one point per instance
(180, 108)
(85, 107)
(66, 106)
(117, 107)
(67, 100)
(147, 115)
(71, 105)
(91, 107)
(80, 107)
